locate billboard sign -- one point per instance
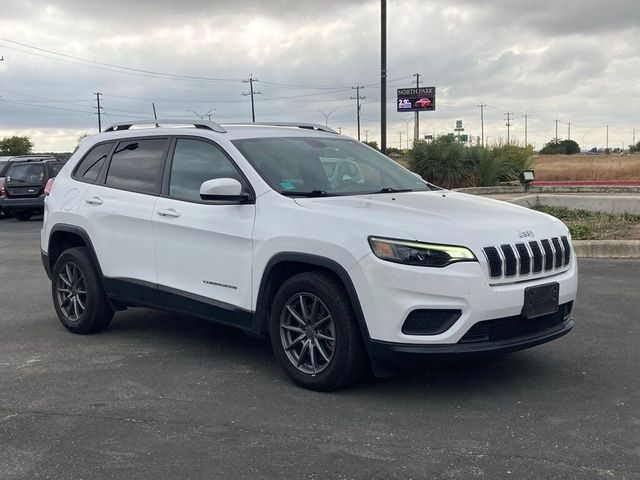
(421, 99)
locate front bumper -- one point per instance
(9, 204)
(403, 354)
(389, 292)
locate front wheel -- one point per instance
(314, 334)
(77, 293)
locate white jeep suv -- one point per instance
(244, 225)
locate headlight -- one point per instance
(420, 254)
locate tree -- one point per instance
(16, 145)
(372, 144)
(565, 147)
(634, 148)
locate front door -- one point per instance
(203, 249)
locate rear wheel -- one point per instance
(314, 334)
(77, 293)
(23, 215)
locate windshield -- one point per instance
(26, 173)
(325, 166)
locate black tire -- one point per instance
(96, 312)
(23, 215)
(348, 359)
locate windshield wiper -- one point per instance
(394, 190)
(312, 193)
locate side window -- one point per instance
(137, 165)
(89, 167)
(195, 162)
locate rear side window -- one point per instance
(90, 165)
(2, 167)
(137, 165)
(195, 162)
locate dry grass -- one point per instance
(587, 167)
(585, 225)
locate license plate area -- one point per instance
(541, 300)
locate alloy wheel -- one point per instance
(308, 333)
(71, 292)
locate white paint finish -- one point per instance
(206, 250)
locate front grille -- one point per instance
(514, 327)
(530, 258)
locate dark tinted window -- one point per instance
(54, 169)
(26, 173)
(137, 165)
(195, 162)
(90, 166)
(2, 167)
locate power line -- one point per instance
(358, 99)
(250, 81)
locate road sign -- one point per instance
(459, 125)
(421, 99)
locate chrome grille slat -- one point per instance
(531, 258)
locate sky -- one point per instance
(575, 61)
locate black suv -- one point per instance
(22, 184)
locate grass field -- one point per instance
(587, 167)
(585, 225)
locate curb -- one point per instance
(606, 248)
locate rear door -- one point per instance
(118, 205)
(203, 249)
(25, 180)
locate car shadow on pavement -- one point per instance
(192, 337)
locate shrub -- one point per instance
(450, 164)
(565, 147)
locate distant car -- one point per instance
(341, 171)
(594, 150)
(7, 161)
(423, 103)
(22, 190)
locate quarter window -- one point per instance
(137, 165)
(90, 166)
(195, 162)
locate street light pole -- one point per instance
(326, 117)
(383, 76)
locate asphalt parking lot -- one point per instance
(163, 396)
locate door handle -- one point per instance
(168, 212)
(93, 201)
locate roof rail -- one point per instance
(308, 126)
(207, 125)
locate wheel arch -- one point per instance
(62, 237)
(284, 265)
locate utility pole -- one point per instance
(98, 94)
(358, 98)
(607, 138)
(569, 131)
(526, 128)
(482, 105)
(251, 93)
(416, 125)
(400, 132)
(508, 123)
(383, 76)
(556, 130)
(407, 122)
(634, 137)
(326, 117)
(366, 136)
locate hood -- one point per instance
(441, 216)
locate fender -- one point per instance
(261, 319)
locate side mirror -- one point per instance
(223, 190)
